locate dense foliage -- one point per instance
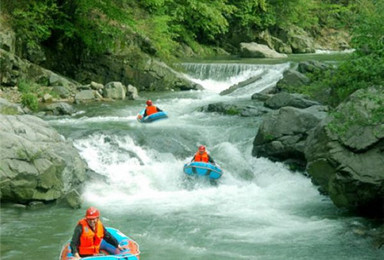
(365, 67)
(98, 24)
(29, 94)
(35, 21)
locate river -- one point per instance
(258, 210)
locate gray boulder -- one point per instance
(132, 92)
(59, 108)
(114, 90)
(8, 108)
(299, 40)
(345, 153)
(292, 79)
(134, 68)
(243, 84)
(62, 91)
(236, 109)
(255, 50)
(262, 97)
(36, 163)
(161, 77)
(284, 99)
(274, 43)
(7, 38)
(85, 96)
(312, 66)
(223, 108)
(15, 69)
(283, 132)
(96, 86)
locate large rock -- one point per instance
(132, 92)
(243, 83)
(274, 43)
(313, 66)
(114, 90)
(135, 69)
(8, 108)
(332, 39)
(14, 69)
(59, 108)
(245, 110)
(345, 153)
(255, 50)
(161, 77)
(284, 99)
(7, 37)
(85, 96)
(36, 163)
(292, 78)
(299, 40)
(283, 132)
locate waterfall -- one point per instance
(219, 77)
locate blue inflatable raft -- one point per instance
(203, 169)
(151, 118)
(107, 251)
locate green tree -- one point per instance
(175, 22)
(251, 14)
(202, 20)
(100, 24)
(35, 21)
(289, 12)
(366, 66)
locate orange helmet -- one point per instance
(149, 102)
(202, 148)
(92, 213)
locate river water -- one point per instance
(258, 210)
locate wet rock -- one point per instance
(36, 163)
(345, 153)
(114, 90)
(293, 100)
(283, 132)
(292, 78)
(8, 108)
(242, 84)
(60, 108)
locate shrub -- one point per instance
(30, 100)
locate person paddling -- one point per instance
(151, 109)
(202, 156)
(88, 235)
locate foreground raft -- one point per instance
(107, 251)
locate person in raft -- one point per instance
(202, 156)
(88, 235)
(151, 109)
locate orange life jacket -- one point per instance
(90, 240)
(151, 110)
(201, 157)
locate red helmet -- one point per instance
(92, 213)
(149, 102)
(202, 148)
